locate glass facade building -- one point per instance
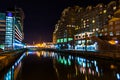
(14, 31)
(2, 30)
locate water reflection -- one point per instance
(14, 71)
(70, 67)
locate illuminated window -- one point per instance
(104, 11)
(111, 33)
(61, 40)
(87, 25)
(100, 34)
(97, 29)
(109, 16)
(114, 8)
(101, 12)
(93, 21)
(65, 39)
(93, 30)
(79, 42)
(69, 39)
(58, 41)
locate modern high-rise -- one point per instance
(14, 30)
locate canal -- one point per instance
(45, 65)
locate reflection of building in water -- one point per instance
(70, 68)
(14, 72)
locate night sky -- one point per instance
(42, 15)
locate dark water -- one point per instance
(58, 66)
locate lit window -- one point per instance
(87, 25)
(61, 40)
(93, 21)
(96, 29)
(100, 34)
(114, 8)
(104, 11)
(111, 33)
(65, 39)
(100, 12)
(87, 19)
(93, 29)
(109, 16)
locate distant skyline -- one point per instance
(41, 16)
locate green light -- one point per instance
(58, 40)
(69, 62)
(70, 39)
(65, 39)
(65, 62)
(61, 61)
(61, 40)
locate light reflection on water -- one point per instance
(69, 67)
(14, 70)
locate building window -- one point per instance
(105, 29)
(111, 23)
(93, 21)
(111, 27)
(117, 32)
(111, 33)
(114, 8)
(104, 11)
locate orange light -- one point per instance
(112, 42)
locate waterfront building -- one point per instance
(14, 30)
(114, 29)
(2, 30)
(65, 29)
(89, 27)
(94, 29)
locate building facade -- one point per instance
(11, 29)
(14, 30)
(2, 30)
(89, 26)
